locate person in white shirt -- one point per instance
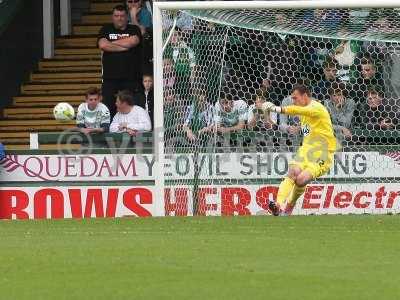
(93, 116)
(129, 118)
(230, 115)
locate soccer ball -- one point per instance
(63, 112)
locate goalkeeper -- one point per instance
(314, 158)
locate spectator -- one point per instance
(341, 109)
(290, 125)
(368, 76)
(93, 116)
(145, 98)
(257, 119)
(328, 19)
(120, 43)
(174, 118)
(330, 71)
(373, 115)
(130, 118)
(230, 115)
(169, 73)
(199, 119)
(139, 15)
(2, 151)
(345, 54)
(184, 62)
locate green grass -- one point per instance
(326, 257)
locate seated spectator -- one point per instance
(230, 115)
(145, 98)
(368, 76)
(373, 115)
(93, 116)
(130, 118)
(341, 109)
(328, 19)
(199, 119)
(139, 15)
(256, 118)
(330, 75)
(121, 58)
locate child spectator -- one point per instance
(330, 72)
(230, 115)
(130, 118)
(93, 116)
(145, 98)
(341, 109)
(373, 115)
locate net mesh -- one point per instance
(224, 156)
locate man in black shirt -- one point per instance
(120, 43)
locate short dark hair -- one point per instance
(302, 89)
(330, 63)
(337, 87)
(120, 7)
(93, 91)
(126, 96)
(375, 90)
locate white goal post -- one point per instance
(159, 45)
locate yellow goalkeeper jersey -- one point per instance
(316, 124)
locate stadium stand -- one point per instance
(75, 67)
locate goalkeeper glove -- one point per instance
(269, 106)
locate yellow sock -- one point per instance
(285, 188)
(296, 193)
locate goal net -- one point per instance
(222, 156)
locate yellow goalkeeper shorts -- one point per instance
(317, 163)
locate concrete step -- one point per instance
(26, 88)
(79, 50)
(86, 29)
(66, 76)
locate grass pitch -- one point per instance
(326, 257)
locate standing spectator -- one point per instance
(341, 109)
(346, 55)
(184, 62)
(330, 71)
(145, 98)
(139, 15)
(93, 116)
(120, 43)
(373, 115)
(130, 118)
